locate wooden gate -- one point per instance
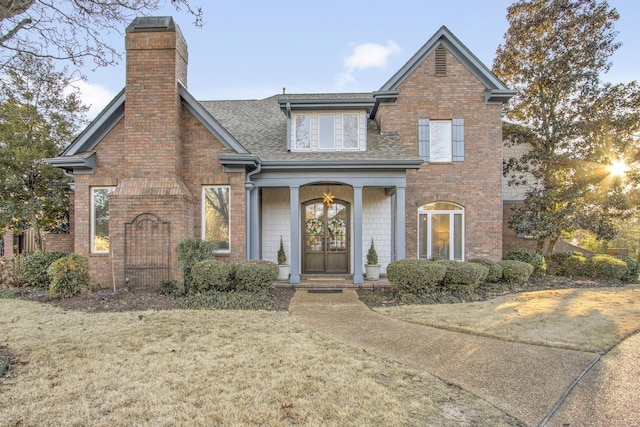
(146, 250)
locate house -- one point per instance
(416, 166)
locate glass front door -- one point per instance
(326, 237)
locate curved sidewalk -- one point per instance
(525, 381)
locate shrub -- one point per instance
(495, 270)
(172, 287)
(69, 275)
(255, 275)
(10, 273)
(463, 277)
(606, 267)
(515, 272)
(554, 263)
(34, 267)
(210, 274)
(633, 269)
(192, 251)
(574, 264)
(415, 276)
(372, 255)
(530, 257)
(228, 300)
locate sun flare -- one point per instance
(618, 168)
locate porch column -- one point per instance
(294, 208)
(358, 278)
(400, 223)
(253, 251)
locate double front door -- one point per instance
(325, 237)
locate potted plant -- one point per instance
(372, 267)
(283, 267)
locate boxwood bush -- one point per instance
(495, 270)
(602, 266)
(515, 272)
(633, 269)
(69, 275)
(10, 274)
(463, 277)
(415, 276)
(255, 275)
(574, 264)
(33, 267)
(192, 251)
(526, 255)
(209, 274)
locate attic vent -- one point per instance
(441, 61)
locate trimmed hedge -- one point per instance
(10, 273)
(530, 257)
(69, 275)
(515, 272)
(192, 251)
(34, 267)
(255, 275)
(415, 276)
(495, 270)
(633, 269)
(463, 276)
(210, 274)
(602, 266)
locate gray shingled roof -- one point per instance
(261, 127)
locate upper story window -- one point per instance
(441, 141)
(324, 131)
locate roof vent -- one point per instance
(441, 61)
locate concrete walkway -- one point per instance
(525, 381)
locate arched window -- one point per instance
(441, 231)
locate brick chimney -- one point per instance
(150, 184)
(156, 63)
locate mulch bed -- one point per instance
(140, 299)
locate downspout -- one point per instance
(72, 184)
(250, 186)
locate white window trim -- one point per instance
(451, 213)
(203, 230)
(431, 140)
(357, 147)
(92, 214)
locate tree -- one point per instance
(38, 116)
(70, 30)
(554, 54)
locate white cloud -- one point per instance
(366, 55)
(95, 96)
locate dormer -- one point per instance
(327, 123)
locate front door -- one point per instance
(325, 230)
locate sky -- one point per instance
(254, 49)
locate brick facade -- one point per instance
(474, 183)
(166, 147)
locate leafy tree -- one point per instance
(554, 54)
(71, 30)
(38, 116)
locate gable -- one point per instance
(496, 91)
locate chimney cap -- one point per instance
(151, 23)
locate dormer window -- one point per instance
(329, 131)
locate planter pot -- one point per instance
(372, 271)
(284, 271)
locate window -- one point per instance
(100, 219)
(441, 231)
(215, 216)
(350, 131)
(326, 135)
(303, 131)
(328, 131)
(441, 141)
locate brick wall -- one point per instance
(475, 183)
